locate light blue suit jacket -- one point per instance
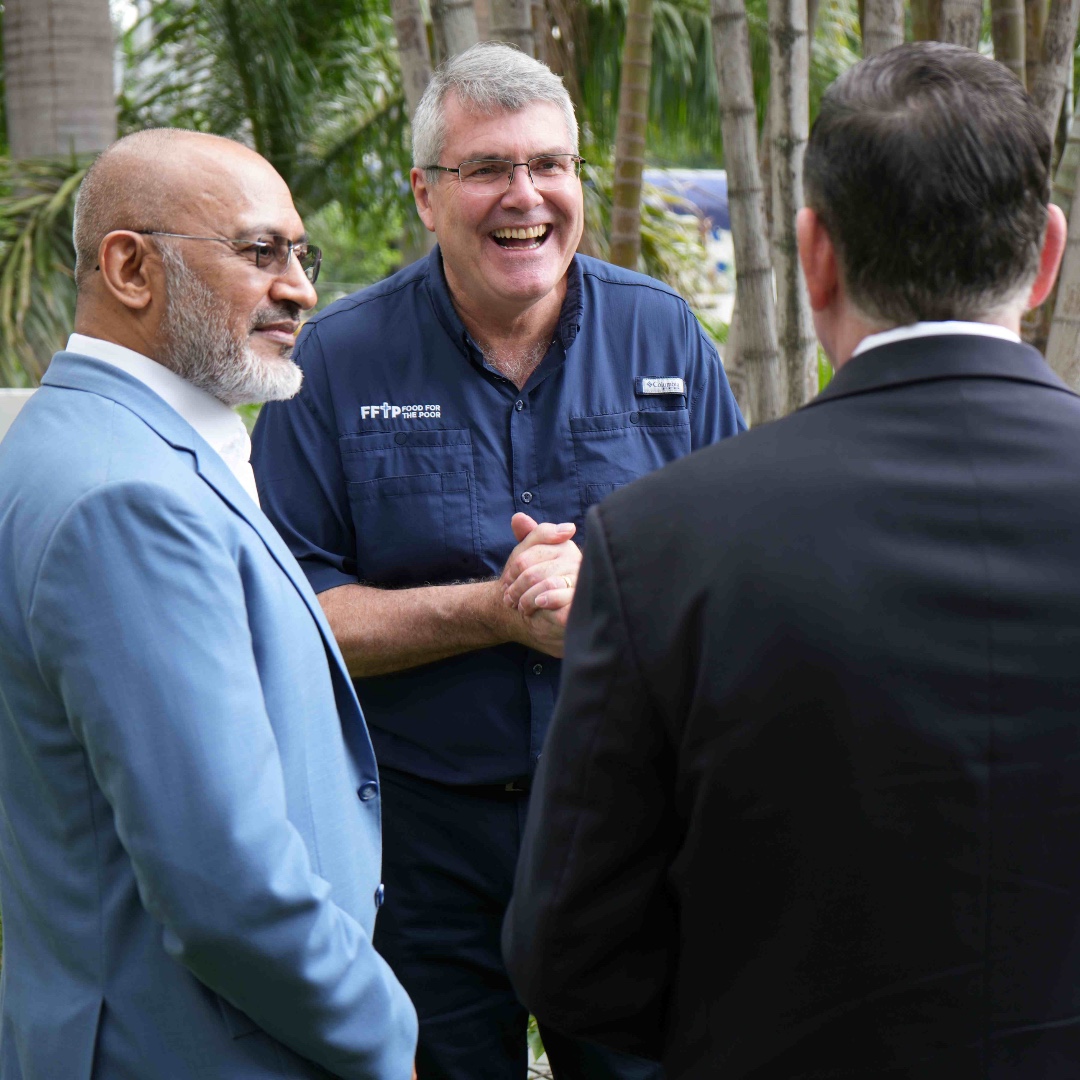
(189, 816)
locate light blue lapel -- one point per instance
(78, 372)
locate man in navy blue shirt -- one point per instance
(500, 383)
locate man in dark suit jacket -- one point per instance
(810, 803)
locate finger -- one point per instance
(546, 541)
(531, 576)
(521, 525)
(547, 532)
(548, 629)
(549, 595)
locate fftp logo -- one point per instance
(386, 411)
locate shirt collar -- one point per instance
(932, 329)
(212, 419)
(569, 317)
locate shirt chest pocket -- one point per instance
(613, 449)
(413, 502)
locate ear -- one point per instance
(123, 263)
(422, 195)
(1053, 248)
(817, 256)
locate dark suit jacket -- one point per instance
(810, 804)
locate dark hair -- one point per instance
(929, 167)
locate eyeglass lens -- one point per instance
(275, 250)
(547, 171)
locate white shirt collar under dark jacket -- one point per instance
(932, 329)
(212, 419)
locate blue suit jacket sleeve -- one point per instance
(138, 621)
(588, 936)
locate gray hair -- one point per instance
(486, 78)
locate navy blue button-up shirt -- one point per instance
(404, 456)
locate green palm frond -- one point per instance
(684, 116)
(314, 88)
(37, 286)
(671, 248)
(837, 46)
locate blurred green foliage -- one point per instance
(316, 89)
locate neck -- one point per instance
(513, 342)
(112, 326)
(852, 334)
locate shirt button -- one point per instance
(538, 669)
(526, 496)
(380, 896)
(519, 404)
(368, 792)
(401, 438)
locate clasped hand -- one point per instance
(539, 579)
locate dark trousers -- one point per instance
(448, 867)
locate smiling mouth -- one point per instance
(521, 239)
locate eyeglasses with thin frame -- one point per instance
(268, 252)
(490, 175)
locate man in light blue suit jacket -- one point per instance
(189, 804)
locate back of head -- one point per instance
(487, 78)
(929, 167)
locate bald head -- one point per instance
(174, 232)
(146, 180)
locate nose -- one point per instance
(292, 284)
(522, 191)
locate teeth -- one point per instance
(531, 233)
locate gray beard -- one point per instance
(201, 347)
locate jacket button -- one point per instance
(538, 669)
(526, 496)
(380, 896)
(401, 438)
(368, 792)
(635, 417)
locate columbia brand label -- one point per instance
(658, 385)
(386, 411)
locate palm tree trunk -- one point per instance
(58, 75)
(482, 8)
(758, 352)
(925, 20)
(542, 23)
(413, 51)
(1055, 66)
(1007, 29)
(789, 108)
(512, 21)
(1068, 169)
(733, 369)
(883, 26)
(1063, 346)
(961, 22)
(1056, 325)
(454, 22)
(630, 135)
(1034, 26)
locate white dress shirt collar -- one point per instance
(212, 419)
(932, 329)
